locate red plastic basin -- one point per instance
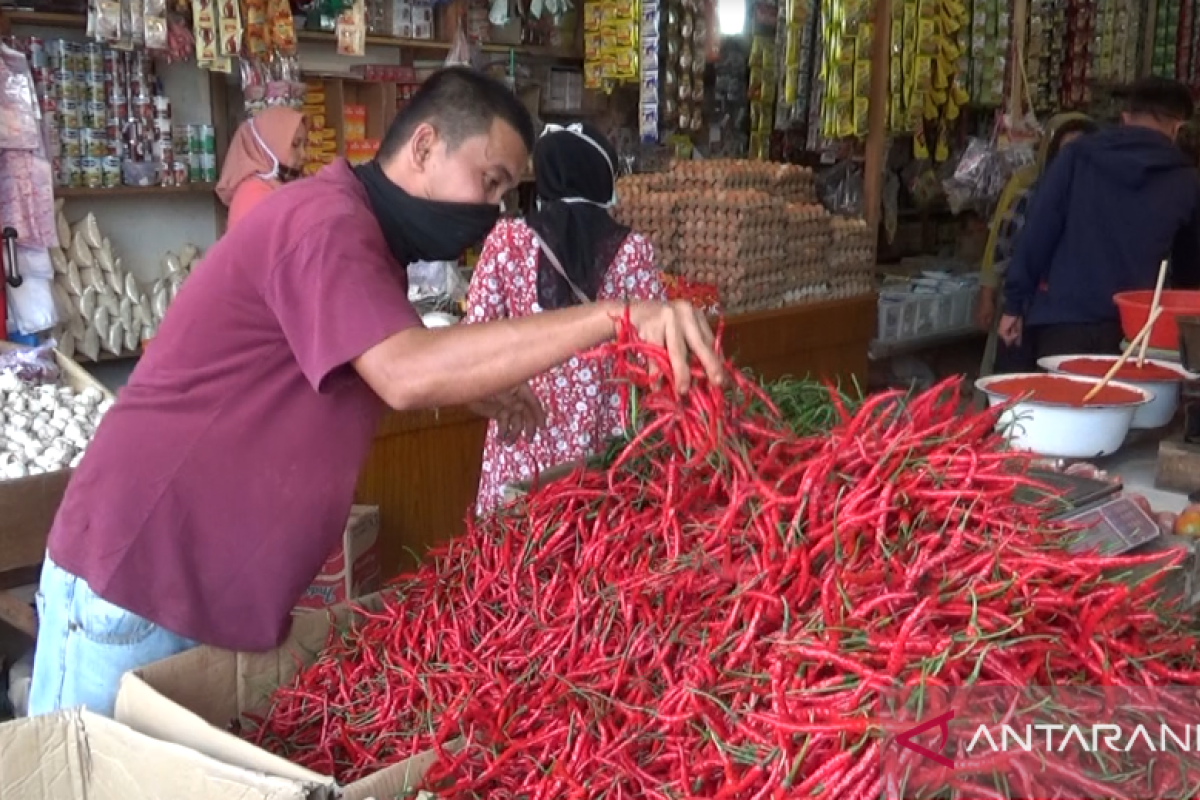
(1134, 308)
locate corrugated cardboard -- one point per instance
(77, 755)
(353, 570)
(191, 698)
(28, 505)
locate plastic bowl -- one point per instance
(1155, 414)
(1134, 308)
(1058, 430)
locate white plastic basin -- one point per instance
(1159, 411)
(1059, 430)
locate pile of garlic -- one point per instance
(101, 307)
(45, 428)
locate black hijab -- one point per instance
(584, 237)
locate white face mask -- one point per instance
(276, 172)
(577, 129)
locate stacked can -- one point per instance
(164, 143)
(93, 113)
(202, 154)
(181, 167)
(138, 120)
(65, 61)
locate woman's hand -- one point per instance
(682, 329)
(517, 412)
(1010, 330)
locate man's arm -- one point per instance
(1040, 235)
(340, 302)
(1185, 254)
(427, 368)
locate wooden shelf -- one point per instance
(436, 46)
(47, 20)
(136, 191)
(107, 357)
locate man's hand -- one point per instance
(517, 412)
(1010, 329)
(682, 329)
(985, 308)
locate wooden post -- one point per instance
(877, 116)
(1016, 83)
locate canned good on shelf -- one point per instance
(208, 168)
(208, 140)
(93, 142)
(93, 177)
(195, 169)
(194, 141)
(96, 115)
(63, 85)
(72, 142)
(72, 56)
(179, 137)
(71, 173)
(110, 168)
(164, 152)
(182, 173)
(166, 175)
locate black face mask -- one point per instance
(288, 174)
(417, 229)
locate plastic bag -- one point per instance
(461, 54)
(841, 189)
(20, 117)
(32, 305)
(435, 286)
(33, 365)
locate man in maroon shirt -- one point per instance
(221, 479)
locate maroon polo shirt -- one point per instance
(221, 480)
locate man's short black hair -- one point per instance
(460, 103)
(1161, 98)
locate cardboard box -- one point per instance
(353, 570)
(73, 755)
(28, 505)
(191, 698)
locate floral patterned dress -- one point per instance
(582, 411)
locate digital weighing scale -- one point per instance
(1113, 525)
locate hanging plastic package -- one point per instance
(461, 53)
(26, 176)
(31, 306)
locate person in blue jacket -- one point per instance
(1108, 211)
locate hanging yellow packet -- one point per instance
(920, 146)
(941, 74)
(862, 112)
(942, 150)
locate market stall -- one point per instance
(579, 630)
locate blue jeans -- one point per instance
(85, 644)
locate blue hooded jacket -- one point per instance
(1109, 209)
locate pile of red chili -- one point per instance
(1057, 389)
(1129, 371)
(716, 614)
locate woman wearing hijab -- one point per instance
(1005, 226)
(570, 251)
(266, 152)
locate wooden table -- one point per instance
(423, 469)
